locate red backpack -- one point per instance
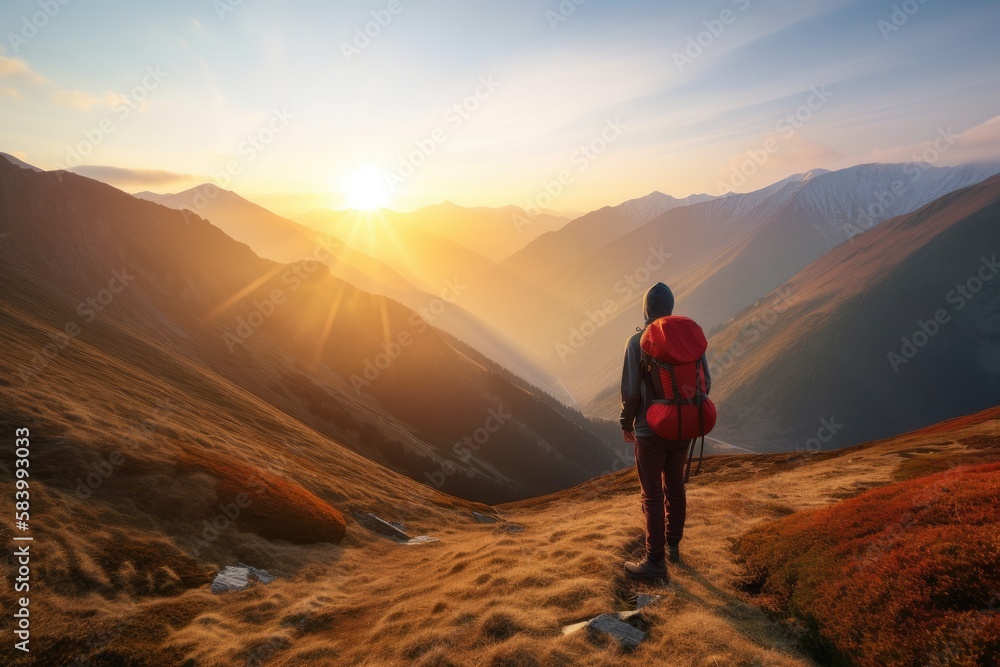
(680, 409)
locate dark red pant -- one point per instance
(661, 476)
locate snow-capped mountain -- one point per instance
(842, 204)
(642, 210)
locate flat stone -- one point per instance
(237, 578)
(512, 528)
(484, 518)
(645, 600)
(421, 539)
(382, 527)
(627, 637)
(231, 579)
(263, 576)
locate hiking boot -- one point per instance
(674, 554)
(646, 569)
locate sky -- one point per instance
(564, 104)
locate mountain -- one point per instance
(889, 332)
(425, 259)
(283, 240)
(551, 253)
(494, 233)
(358, 368)
(824, 212)
(19, 163)
(456, 275)
(280, 239)
(727, 253)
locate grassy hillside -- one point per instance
(137, 562)
(358, 368)
(908, 574)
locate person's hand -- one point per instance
(629, 436)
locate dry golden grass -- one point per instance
(120, 577)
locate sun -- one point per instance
(366, 189)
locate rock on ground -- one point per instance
(623, 633)
(237, 578)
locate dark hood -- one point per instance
(658, 302)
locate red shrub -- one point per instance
(908, 574)
(271, 506)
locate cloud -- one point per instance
(19, 72)
(756, 167)
(126, 176)
(15, 68)
(79, 99)
(980, 143)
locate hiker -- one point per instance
(666, 357)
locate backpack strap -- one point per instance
(654, 386)
(687, 469)
(701, 429)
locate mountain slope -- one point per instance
(436, 265)
(137, 562)
(284, 240)
(728, 253)
(18, 162)
(494, 233)
(552, 253)
(824, 212)
(908, 306)
(357, 367)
